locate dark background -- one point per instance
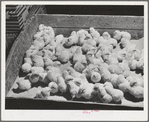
(131, 10)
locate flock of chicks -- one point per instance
(101, 66)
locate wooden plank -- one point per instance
(96, 21)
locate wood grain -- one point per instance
(96, 21)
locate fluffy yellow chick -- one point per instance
(133, 64)
(117, 35)
(136, 55)
(106, 35)
(116, 94)
(115, 69)
(137, 91)
(95, 77)
(73, 88)
(113, 42)
(37, 70)
(43, 78)
(43, 93)
(135, 81)
(40, 53)
(121, 79)
(108, 84)
(113, 79)
(68, 42)
(34, 78)
(47, 61)
(105, 75)
(80, 65)
(102, 94)
(61, 84)
(49, 30)
(121, 55)
(59, 38)
(51, 45)
(64, 56)
(91, 42)
(74, 37)
(126, 73)
(47, 39)
(38, 34)
(26, 67)
(90, 57)
(41, 27)
(56, 64)
(87, 90)
(94, 33)
(47, 53)
(86, 47)
(88, 70)
(28, 60)
(125, 86)
(65, 74)
(31, 52)
(38, 44)
(111, 60)
(23, 84)
(124, 42)
(53, 87)
(98, 54)
(73, 49)
(125, 35)
(53, 73)
(73, 73)
(124, 66)
(131, 48)
(82, 36)
(37, 61)
(140, 64)
(78, 55)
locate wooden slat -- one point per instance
(96, 21)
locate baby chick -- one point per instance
(53, 87)
(37, 70)
(78, 55)
(117, 35)
(28, 60)
(34, 78)
(106, 35)
(59, 38)
(95, 77)
(26, 67)
(53, 73)
(95, 34)
(116, 94)
(102, 94)
(23, 84)
(80, 65)
(62, 86)
(37, 61)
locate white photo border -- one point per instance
(73, 115)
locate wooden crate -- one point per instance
(64, 24)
